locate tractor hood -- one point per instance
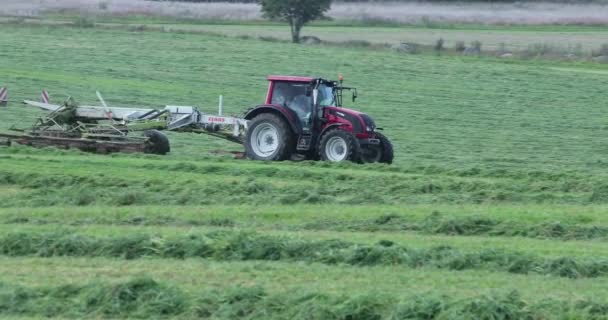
(360, 122)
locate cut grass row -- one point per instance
(128, 181)
(316, 218)
(144, 298)
(550, 249)
(211, 293)
(297, 216)
(280, 276)
(243, 246)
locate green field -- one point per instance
(495, 207)
(560, 40)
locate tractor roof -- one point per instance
(290, 78)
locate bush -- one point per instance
(269, 39)
(459, 46)
(358, 43)
(84, 22)
(439, 45)
(139, 28)
(602, 51)
(502, 48)
(476, 45)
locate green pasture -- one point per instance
(494, 159)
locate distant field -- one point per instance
(563, 28)
(580, 40)
(505, 38)
(495, 206)
(534, 13)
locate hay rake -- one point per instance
(104, 129)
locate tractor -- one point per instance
(303, 118)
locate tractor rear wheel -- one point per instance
(382, 153)
(157, 142)
(339, 145)
(269, 138)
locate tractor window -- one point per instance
(284, 93)
(293, 96)
(326, 96)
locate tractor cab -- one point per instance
(294, 94)
(302, 94)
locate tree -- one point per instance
(295, 12)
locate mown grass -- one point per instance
(236, 245)
(547, 248)
(144, 297)
(508, 222)
(498, 185)
(138, 180)
(509, 123)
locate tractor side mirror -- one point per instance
(354, 95)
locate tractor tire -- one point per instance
(269, 138)
(382, 153)
(387, 149)
(339, 145)
(157, 142)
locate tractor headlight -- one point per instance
(369, 129)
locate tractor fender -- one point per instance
(331, 126)
(283, 112)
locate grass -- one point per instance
(97, 280)
(495, 205)
(486, 95)
(561, 39)
(229, 245)
(380, 220)
(142, 297)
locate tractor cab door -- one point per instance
(297, 97)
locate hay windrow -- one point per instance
(243, 246)
(306, 185)
(434, 223)
(146, 298)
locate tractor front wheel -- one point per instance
(382, 152)
(269, 138)
(339, 145)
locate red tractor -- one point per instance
(303, 118)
